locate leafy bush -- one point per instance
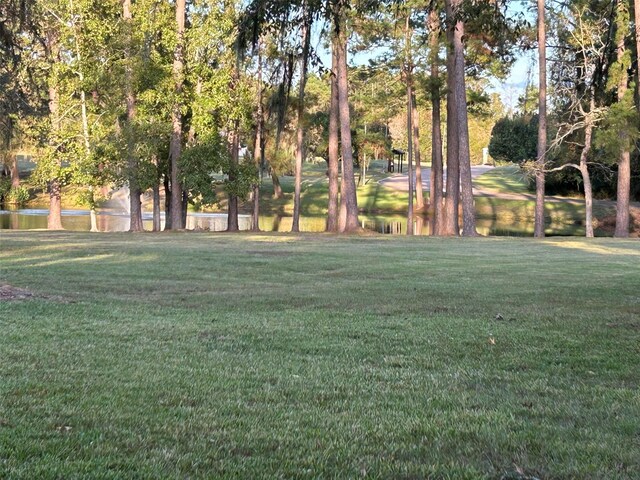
(514, 139)
(12, 195)
(18, 195)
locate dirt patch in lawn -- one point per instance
(8, 292)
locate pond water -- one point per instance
(116, 221)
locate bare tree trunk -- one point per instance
(410, 159)
(538, 230)
(156, 208)
(175, 146)
(416, 153)
(362, 179)
(348, 221)
(468, 207)
(255, 216)
(258, 155)
(11, 160)
(622, 200)
(277, 188)
(584, 170)
(410, 144)
(15, 173)
(334, 145)
(304, 60)
(450, 224)
(435, 192)
(185, 207)
(624, 161)
(234, 144)
(636, 17)
(54, 219)
(167, 201)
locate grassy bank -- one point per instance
(270, 356)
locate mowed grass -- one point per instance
(276, 356)
(504, 179)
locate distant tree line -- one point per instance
(193, 98)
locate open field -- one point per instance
(315, 356)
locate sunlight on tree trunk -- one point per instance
(234, 146)
(408, 67)
(624, 161)
(464, 156)
(416, 153)
(450, 224)
(334, 145)
(348, 221)
(300, 134)
(54, 219)
(436, 183)
(538, 230)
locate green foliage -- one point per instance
(514, 139)
(619, 130)
(198, 165)
(18, 195)
(12, 195)
(241, 178)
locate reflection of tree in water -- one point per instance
(518, 223)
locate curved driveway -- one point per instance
(400, 181)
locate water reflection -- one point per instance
(115, 221)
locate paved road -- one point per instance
(400, 181)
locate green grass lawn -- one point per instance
(276, 356)
(504, 179)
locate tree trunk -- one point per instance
(167, 201)
(87, 147)
(304, 60)
(624, 161)
(277, 188)
(175, 146)
(464, 156)
(588, 201)
(409, 81)
(363, 169)
(538, 230)
(54, 219)
(15, 173)
(435, 189)
(93, 216)
(415, 121)
(258, 153)
(255, 223)
(450, 223)
(135, 205)
(584, 170)
(636, 17)
(410, 157)
(334, 145)
(234, 145)
(348, 221)
(185, 207)
(156, 207)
